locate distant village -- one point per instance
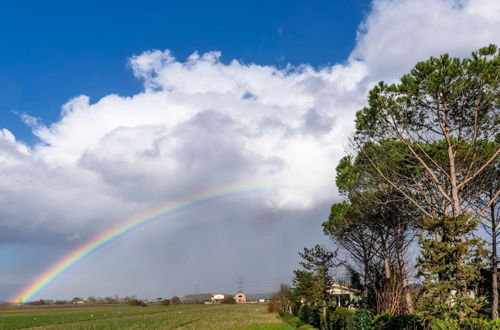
(345, 296)
(198, 298)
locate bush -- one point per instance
(385, 321)
(474, 324)
(274, 304)
(38, 302)
(341, 319)
(136, 302)
(165, 302)
(446, 324)
(175, 300)
(363, 320)
(494, 325)
(479, 324)
(229, 300)
(304, 313)
(295, 322)
(295, 308)
(309, 315)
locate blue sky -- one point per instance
(52, 51)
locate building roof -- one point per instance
(342, 289)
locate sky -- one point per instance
(110, 110)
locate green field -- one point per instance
(241, 316)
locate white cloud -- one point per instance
(397, 34)
(197, 128)
(205, 125)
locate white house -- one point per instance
(217, 297)
(343, 293)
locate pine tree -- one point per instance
(313, 284)
(450, 267)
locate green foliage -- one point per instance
(312, 283)
(444, 324)
(295, 322)
(385, 321)
(450, 267)
(381, 321)
(362, 320)
(165, 302)
(444, 116)
(494, 325)
(468, 87)
(341, 318)
(474, 324)
(309, 315)
(296, 307)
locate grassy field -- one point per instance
(241, 316)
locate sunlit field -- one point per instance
(243, 316)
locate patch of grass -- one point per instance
(240, 316)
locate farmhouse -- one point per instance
(240, 297)
(217, 297)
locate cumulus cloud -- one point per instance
(204, 125)
(397, 34)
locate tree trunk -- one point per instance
(404, 274)
(494, 263)
(365, 284)
(455, 204)
(387, 264)
(456, 212)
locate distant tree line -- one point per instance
(129, 300)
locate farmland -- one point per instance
(241, 316)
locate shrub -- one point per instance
(406, 321)
(309, 315)
(303, 313)
(445, 324)
(274, 304)
(229, 300)
(363, 320)
(385, 321)
(175, 300)
(494, 325)
(136, 302)
(341, 319)
(381, 321)
(479, 324)
(474, 324)
(38, 302)
(165, 302)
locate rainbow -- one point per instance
(112, 234)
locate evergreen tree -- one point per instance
(449, 266)
(312, 285)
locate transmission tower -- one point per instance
(241, 283)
